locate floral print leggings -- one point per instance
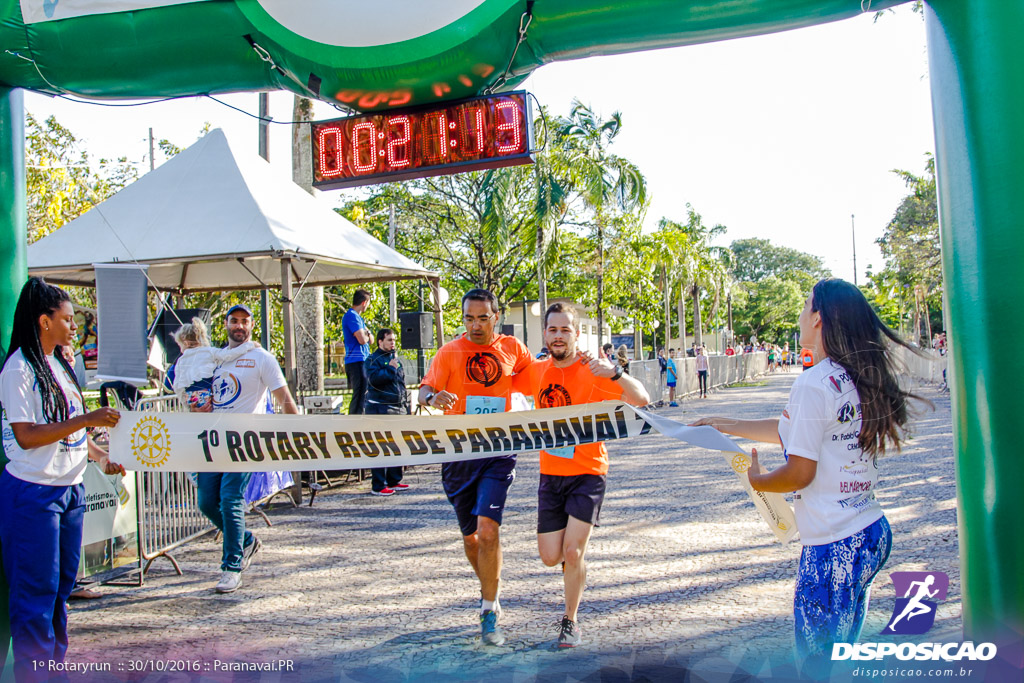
(833, 587)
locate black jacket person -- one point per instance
(386, 395)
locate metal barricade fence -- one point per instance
(169, 514)
(722, 371)
(648, 373)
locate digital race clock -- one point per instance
(468, 135)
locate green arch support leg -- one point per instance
(976, 57)
(13, 219)
(13, 268)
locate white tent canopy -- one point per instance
(214, 218)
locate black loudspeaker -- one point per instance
(417, 330)
(513, 330)
(169, 322)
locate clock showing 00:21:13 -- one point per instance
(467, 135)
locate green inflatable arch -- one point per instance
(395, 52)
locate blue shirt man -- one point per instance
(357, 350)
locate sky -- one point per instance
(782, 137)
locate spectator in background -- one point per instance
(357, 350)
(671, 373)
(386, 395)
(807, 358)
(702, 371)
(622, 358)
(609, 352)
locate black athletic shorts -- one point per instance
(559, 497)
(478, 488)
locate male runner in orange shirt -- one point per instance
(572, 479)
(472, 375)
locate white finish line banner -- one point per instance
(229, 442)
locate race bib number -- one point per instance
(566, 452)
(482, 405)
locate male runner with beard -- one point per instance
(572, 479)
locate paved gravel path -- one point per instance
(683, 575)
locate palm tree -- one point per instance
(604, 181)
(551, 178)
(707, 270)
(671, 252)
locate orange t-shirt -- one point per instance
(470, 370)
(807, 357)
(554, 387)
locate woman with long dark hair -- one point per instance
(42, 499)
(841, 416)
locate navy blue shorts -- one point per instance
(478, 488)
(559, 497)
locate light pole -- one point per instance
(535, 309)
(392, 288)
(442, 299)
(853, 234)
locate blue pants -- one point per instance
(222, 499)
(833, 588)
(41, 532)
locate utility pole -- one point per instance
(264, 149)
(853, 233)
(392, 288)
(152, 163)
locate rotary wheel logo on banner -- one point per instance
(151, 441)
(741, 462)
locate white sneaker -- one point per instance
(229, 582)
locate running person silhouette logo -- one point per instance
(554, 396)
(483, 368)
(226, 389)
(914, 613)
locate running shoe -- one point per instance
(497, 608)
(674, 404)
(569, 633)
(399, 487)
(250, 550)
(383, 492)
(490, 633)
(229, 582)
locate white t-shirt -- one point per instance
(821, 422)
(241, 385)
(57, 464)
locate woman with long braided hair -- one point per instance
(842, 414)
(42, 499)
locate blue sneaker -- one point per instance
(673, 404)
(490, 633)
(497, 609)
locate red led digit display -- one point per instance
(468, 135)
